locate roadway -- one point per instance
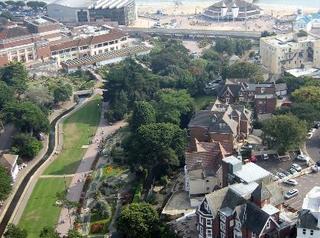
(192, 33)
(313, 146)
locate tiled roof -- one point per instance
(307, 220)
(7, 33)
(69, 43)
(256, 218)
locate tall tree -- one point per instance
(15, 75)
(48, 232)
(6, 94)
(15, 232)
(26, 145)
(172, 105)
(27, 117)
(245, 70)
(308, 94)
(138, 220)
(5, 183)
(143, 114)
(284, 132)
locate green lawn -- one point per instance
(77, 129)
(201, 102)
(41, 210)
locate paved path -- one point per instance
(78, 180)
(313, 146)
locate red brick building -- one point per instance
(221, 123)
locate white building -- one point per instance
(289, 51)
(9, 162)
(308, 225)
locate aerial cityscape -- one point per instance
(168, 119)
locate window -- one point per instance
(209, 222)
(200, 220)
(205, 205)
(209, 233)
(201, 230)
(268, 224)
(304, 231)
(311, 232)
(222, 217)
(222, 226)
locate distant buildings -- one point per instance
(308, 225)
(221, 123)
(264, 96)
(232, 10)
(121, 11)
(41, 39)
(289, 51)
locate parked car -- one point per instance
(296, 167)
(253, 158)
(316, 125)
(292, 182)
(318, 163)
(292, 171)
(291, 193)
(281, 175)
(275, 177)
(286, 172)
(265, 156)
(315, 168)
(303, 158)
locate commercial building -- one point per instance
(289, 51)
(308, 225)
(232, 10)
(121, 11)
(88, 41)
(28, 42)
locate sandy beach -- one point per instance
(185, 15)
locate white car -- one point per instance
(309, 135)
(296, 167)
(291, 193)
(292, 182)
(303, 158)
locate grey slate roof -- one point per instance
(256, 218)
(307, 220)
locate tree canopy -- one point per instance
(143, 114)
(15, 232)
(245, 70)
(6, 94)
(15, 75)
(48, 232)
(5, 183)
(26, 145)
(138, 220)
(284, 132)
(172, 104)
(27, 117)
(157, 145)
(307, 94)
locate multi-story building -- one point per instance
(248, 209)
(123, 11)
(203, 171)
(308, 225)
(88, 41)
(289, 51)
(221, 123)
(29, 42)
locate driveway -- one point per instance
(305, 184)
(313, 146)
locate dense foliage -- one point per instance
(48, 232)
(143, 114)
(15, 232)
(5, 183)
(26, 145)
(284, 132)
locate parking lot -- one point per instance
(305, 184)
(274, 164)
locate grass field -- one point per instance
(41, 210)
(78, 128)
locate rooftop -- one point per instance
(92, 4)
(287, 40)
(250, 172)
(244, 190)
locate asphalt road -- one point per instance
(313, 146)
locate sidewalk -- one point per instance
(76, 186)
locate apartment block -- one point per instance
(289, 51)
